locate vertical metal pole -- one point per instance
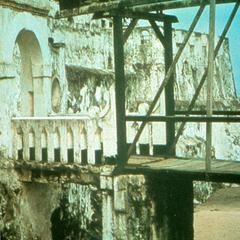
(169, 89)
(210, 83)
(119, 90)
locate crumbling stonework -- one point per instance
(56, 67)
(140, 207)
(78, 215)
(47, 210)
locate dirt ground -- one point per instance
(219, 217)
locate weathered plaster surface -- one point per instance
(47, 210)
(123, 208)
(145, 71)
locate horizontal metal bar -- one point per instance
(182, 119)
(218, 112)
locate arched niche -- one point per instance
(31, 61)
(13, 25)
(56, 96)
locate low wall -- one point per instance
(92, 203)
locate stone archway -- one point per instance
(31, 62)
(17, 29)
(28, 35)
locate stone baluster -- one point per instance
(50, 141)
(70, 144)
(32, 141)
(98, 146)
(26, 154)
(150, 138)
(63, 141)
(91, 127)
(44, 144)
(38, 147)
(77, 128)
(83, 144)
(57, 144)
(17, 141)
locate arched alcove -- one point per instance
(31, 63)
(56, 96)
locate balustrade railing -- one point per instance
(65, 139)
(77, 139)
(152, 138)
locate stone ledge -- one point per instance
(7, 71)
(57, 172)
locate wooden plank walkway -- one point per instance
(221, 171)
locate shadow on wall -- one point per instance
(65, 228)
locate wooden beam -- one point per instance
(210, 78)
(149, 16)
(120, 91)
(157, 32)
(215, 112)
(134, 5)
(167, 77)
(129, 30)
(136, 15)
(175, 4)
(208, 119)
(169, 89)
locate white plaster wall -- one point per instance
(12, 23)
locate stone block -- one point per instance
(106, 183)
(120, 201)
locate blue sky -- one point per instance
(223, 12)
